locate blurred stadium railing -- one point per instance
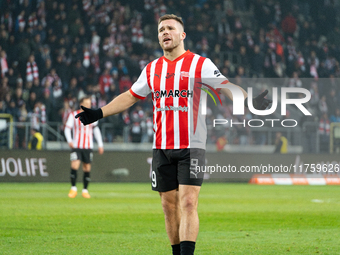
(257, 140)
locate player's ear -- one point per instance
(183, 35)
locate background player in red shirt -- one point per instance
(81, 143)
(176, 144)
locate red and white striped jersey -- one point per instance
(82, 135)
(177, 121)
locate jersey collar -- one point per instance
(177, 59)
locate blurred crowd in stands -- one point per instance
(54, 52)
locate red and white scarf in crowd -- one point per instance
(33, 21)
(39, 115)
(86, 61)
(32, 71)
(96, 63)
(324, 127)
(4, 66)
(137, 34)
(86, 5)
(21, 21)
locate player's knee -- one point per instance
(169, 204)
(169, 207)
(189, 203)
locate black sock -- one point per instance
(176, 249)
(86, 179)
(187, 247)
(73, 177)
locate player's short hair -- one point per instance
(171, 16)
(84, 98)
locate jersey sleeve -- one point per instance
(70, 121)
(210, 74)
(98, 136)
(68, 126)
(140, 88)
(94, 124)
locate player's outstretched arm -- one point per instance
(228, 93)
(117, 105)
(259, 102)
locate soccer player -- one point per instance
(81, 144)
(179, 132)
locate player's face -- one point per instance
(170, 34)
(86, 103)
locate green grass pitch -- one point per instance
(126, 218)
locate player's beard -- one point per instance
(170, 49)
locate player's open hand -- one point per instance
(260, 102)
(88, 115)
